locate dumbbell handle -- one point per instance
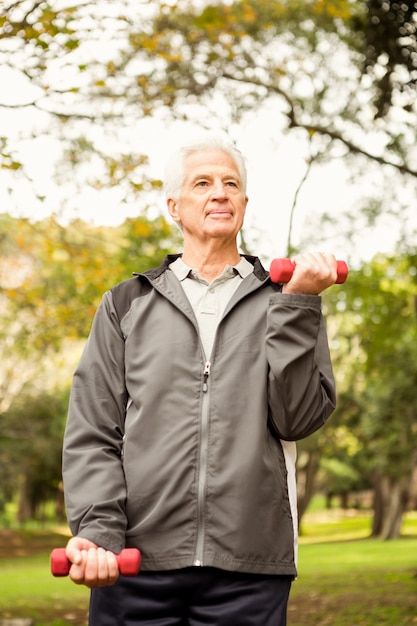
(281, 271)
(128, 561)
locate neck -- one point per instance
(210, 263)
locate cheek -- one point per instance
(242, 210)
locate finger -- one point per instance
(309, 264)
(74, 556)
(93, 564)
(113, 567)
(331, 265)
(74, 547)
(313, 272)
(77, 570)
(318, 265)
(101, 568)
(112, 562)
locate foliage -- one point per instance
(369, 440)
(101, 69)
(378, 375)
(51, 280)
(388, 29)
(338, 477)
(146, 242)
(30, 450)
(57, 274)
(382, 302)
(62, 58)
(339, 75)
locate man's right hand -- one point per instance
(313, 272)
(91, 565)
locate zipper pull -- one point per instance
(206, 375)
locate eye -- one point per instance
(231, 183)
(202, 183)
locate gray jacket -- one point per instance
(187, 459)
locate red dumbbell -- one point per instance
(128, 561)
(281, 271)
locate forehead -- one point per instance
(210, 162)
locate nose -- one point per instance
(219, 190)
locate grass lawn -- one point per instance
(27, 587)
(344, 578)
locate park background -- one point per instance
(321, 97)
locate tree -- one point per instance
(316, 63)
(61, 57)
(388, 31)
(378, 380)
(146, 242)
(369, 440)
(30, 450)
(57, 274)
(51, 281)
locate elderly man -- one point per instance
(196, 380)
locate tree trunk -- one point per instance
(25, 509)
(60, 503)
(306, 481)
(390, 503)
(378, 510)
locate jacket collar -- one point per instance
(258, 269)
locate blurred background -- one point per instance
(321, 99)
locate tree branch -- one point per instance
(322, 130)
(335, 136)
(290, 248)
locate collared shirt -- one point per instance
(209, 300)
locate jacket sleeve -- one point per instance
(94, 485)
(301, 391)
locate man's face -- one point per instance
(212, 202)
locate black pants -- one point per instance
(192, 597)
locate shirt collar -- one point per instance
(182, 271)
(244, 267)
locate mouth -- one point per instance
(217, 213)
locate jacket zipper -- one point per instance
(202, 474)
(207, 367)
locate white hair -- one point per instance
(175, 168)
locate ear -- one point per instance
(173, 209)
(245, 204)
